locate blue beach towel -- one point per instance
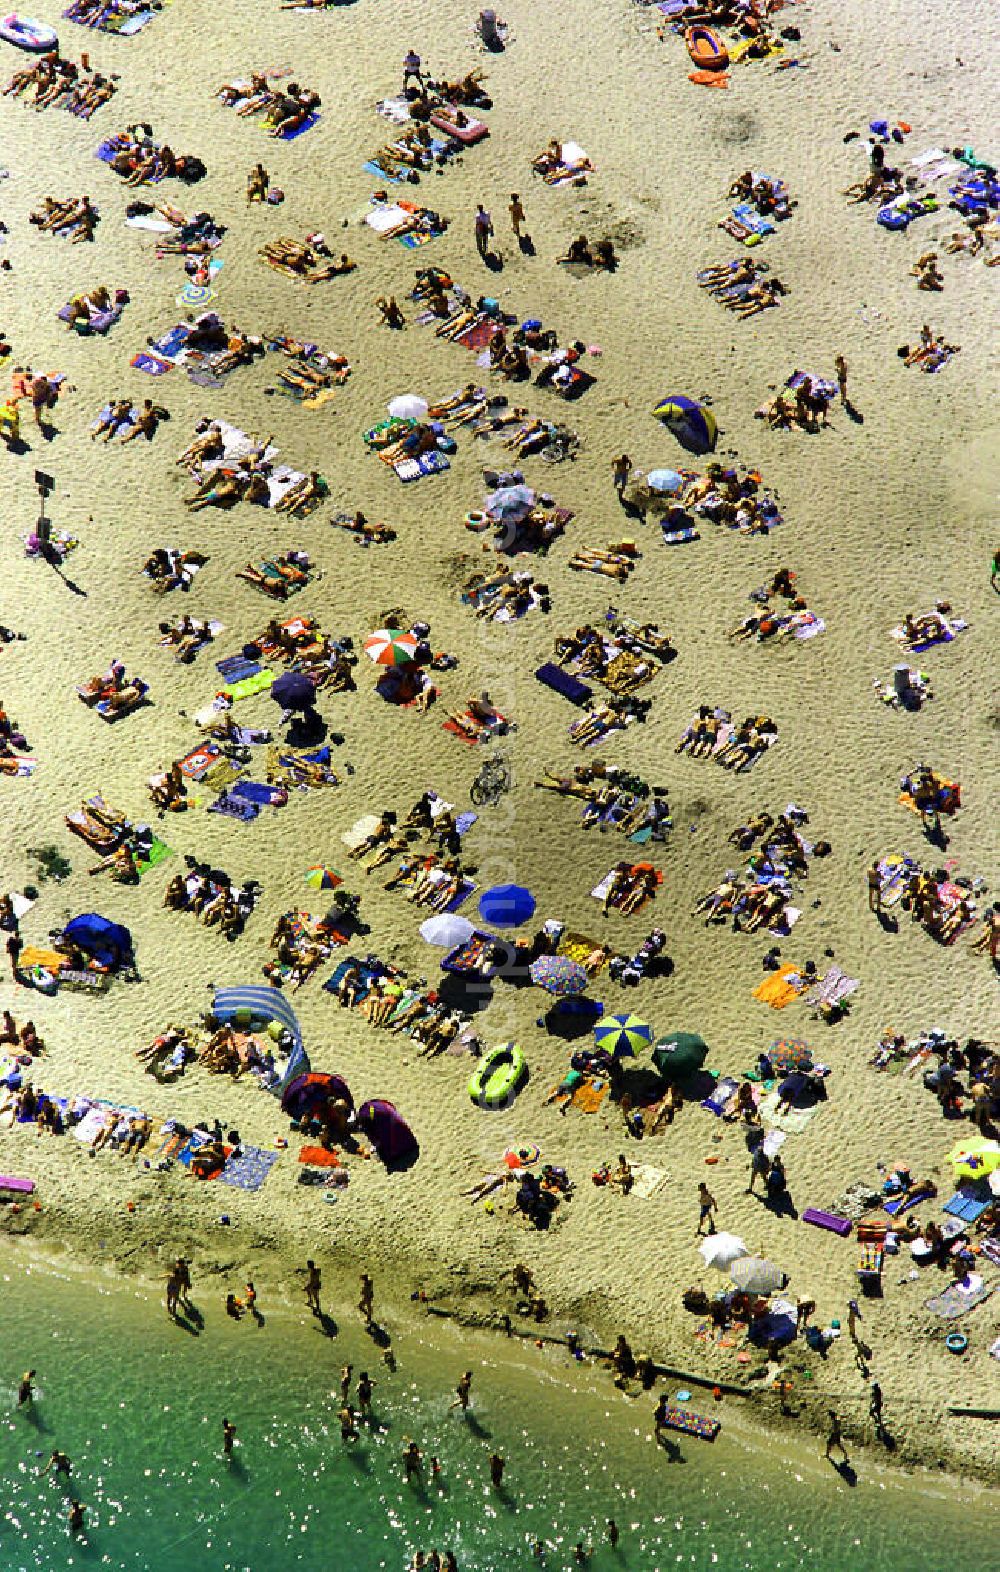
(250, 1169)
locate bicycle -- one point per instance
(493, 780)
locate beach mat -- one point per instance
(648, 1181)
(250, 1169)
(955, 1301)
(793, 1122)
(319, 1157)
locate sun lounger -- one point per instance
(871, 1257)
(969, 1202)
(956, 1299)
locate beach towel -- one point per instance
(250, 1169)
(307, 125)
(589, 1096)
(723, 1091)
(158, 852)
(904, 1203)
(48, 960)
(230, 808)
(263, 795)
(318, 1157)
(956, 1300)
(564, 683)
(969, 1202)
(363, 985)
(648, 1181)
(832, 989)
(258, 681)
(780, 988)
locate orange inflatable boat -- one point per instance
(706, 49)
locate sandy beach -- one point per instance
(884, 514)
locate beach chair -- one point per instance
(871, 1256)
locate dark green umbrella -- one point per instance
(679, 1054)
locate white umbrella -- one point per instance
(408, 406)
(446, 931)
(756, 1276)
(664, 480)
(994, 1181)
(721, 1250)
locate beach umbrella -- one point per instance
(721, 1250)
(679, 1054)
(559, 975)
(319, 877)
(407, 406)
(310, 1094)
(692, 424)
(390, 647)
(754, 1275)
(994, 1181)
(573, 1017)
(447, 930)
(666, 481)
(507, 905)
(789, 1053)
(107, 942)
(293, 691)
(622, 1035)
(975, 1158)
(510, 503)
(388, 1131)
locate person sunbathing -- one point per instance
(204, 447)
(641, 889)
(718, 902)
(218, 489)
(145, 421)
(119, 414)
(168, 791)
(296, 113)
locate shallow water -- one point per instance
(137, 1404)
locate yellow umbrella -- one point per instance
(975, 1158)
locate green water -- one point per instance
(137, 1404)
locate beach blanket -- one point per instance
(832, 989)
(158, 852)
(648, 1181)
(793, 1122)
(249, 1170)
(956, 1300)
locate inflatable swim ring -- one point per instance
(25, 32)
(706, 49)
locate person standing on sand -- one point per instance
(835, 1440)
(875, 890)
(464, 1389)
(517, 214)
(313, 1285)
(840, 366)
(875, 1409)
(708, 1204)
(853, 1317)
(484, 231)
(621, 469)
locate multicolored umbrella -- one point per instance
(790, 1053)
(390, 647)
(622, 1035)
(559, 975)
(319, 877)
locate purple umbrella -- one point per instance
(388, 1132)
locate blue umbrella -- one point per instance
(293, 691)
(692, 424)
(506, 905)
